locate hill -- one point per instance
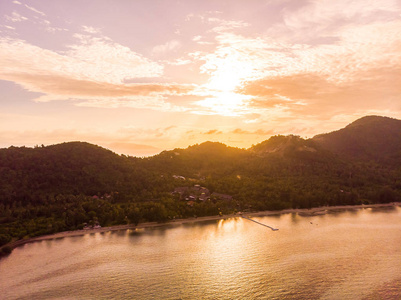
(369, 138)
(199, 160)
(283, 145)
(68, 168)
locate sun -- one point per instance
(225, 103)
(226, 76)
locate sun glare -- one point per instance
(225, 80)
(228, 73)
(225, 103)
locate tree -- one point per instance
(134, 215)
(4, 239)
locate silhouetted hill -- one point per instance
(295, 151)
(201, 159)
(369, 138)
(68, 168)
(283, 144)
(213, 150)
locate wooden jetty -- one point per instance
(274, 229)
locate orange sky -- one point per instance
(139, 77)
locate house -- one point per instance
(180, 190)
(196, 192)
(203, 198)
(204, 191)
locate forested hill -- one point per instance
(62, 187)
(68, 168)
(369, 138)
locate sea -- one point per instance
(344, 254)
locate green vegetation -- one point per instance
(5, 250)
(68, 186)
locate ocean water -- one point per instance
(352, 254)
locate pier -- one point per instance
(274, 229)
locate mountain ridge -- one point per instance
(371, 128)
(368, 138)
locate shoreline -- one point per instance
(301, 211)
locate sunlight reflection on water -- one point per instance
(349, 254)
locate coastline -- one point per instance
(302, 212)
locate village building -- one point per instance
(198, 193)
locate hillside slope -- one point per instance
(68, 168)
(369, 138)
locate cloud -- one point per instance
(94, 70)
(316, 22)
(172, 45)
(189, 17)
(147, 133)
(213, 131)
(314, 57)
(226, 25)
(235, 60)
(259, 132)
(35, 10)
(52, 29)
(138, 102)
(101, 59)
(90, 29)
(93, 59)
(358, 48)
(16, 17)
(240, 131)
(325, 12)
(179, 62)
(264, 132)
(312, 94)
(106, 95)
(322, 55)
(351, 67)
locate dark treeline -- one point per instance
(68, 186)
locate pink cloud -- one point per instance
(213, 131)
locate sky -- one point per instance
(139, 77)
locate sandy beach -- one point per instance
(303, 212)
